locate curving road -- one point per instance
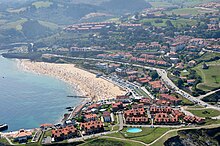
(162, 73)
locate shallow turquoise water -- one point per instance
(28, 100)
(134, 130)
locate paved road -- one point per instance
(89, 136)
(150, 126)
(161, 72)
(159, 138)
(121, 123)
(125, 140)
(148, 93)
(207, 126)
(210, 93)
(168, 82)
(9, 141)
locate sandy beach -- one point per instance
(84, 82)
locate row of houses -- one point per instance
(64, 133)
(93, 26)
(143, 58)
(158, 86)
(159, 115)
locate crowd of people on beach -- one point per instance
(84, 82)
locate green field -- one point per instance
(141, 92)
(42, 4)
(205, 112)
(207, 56)
(16, 10)
(147, 135)
(160, 4)
(185, 101)
(15, 25)
(188, 11)
(3, 140)
(164, 138)
(212, 121)
(50, 25)
(117, 134)
(110, 142)
(183, 22)
(210, 77)
(177, 23)
(190, 3)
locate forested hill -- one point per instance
(122, 6)
(17, 16)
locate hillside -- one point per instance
(27, 20)
(201, 137)
(123, 6)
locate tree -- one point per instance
(180, 82)
(153, 74)
(169, 23)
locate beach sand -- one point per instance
(84, 82)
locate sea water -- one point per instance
(28, 99)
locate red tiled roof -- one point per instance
(117, 104)
(46, 125)
(95, 105)
(91, 125)
(106, 114)
(122, 97)
(136, 119)
(63, 131)
(156, 84)
(90, 116)
(168, 97)
(134, 112)
(160, 109)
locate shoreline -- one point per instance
(20, 65)
(83, 82)
(95, 88)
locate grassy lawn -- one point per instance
(110, 142)
(141, 92)
(147, 135)
(48, 133)
(210, 76)
(160, 4)
(152, 21)
(50, 25)
(212, 121)
(196, 106)
(15, 25)
(182, 22)
(42, 4)
(11, 10)
(205, 112)
(115, 128)
(185, 101)
(164, 138)
(117, 134)
(3, 140)
(207, 56)
(188, 11)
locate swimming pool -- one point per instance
(134, 130)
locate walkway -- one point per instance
(210, 93)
